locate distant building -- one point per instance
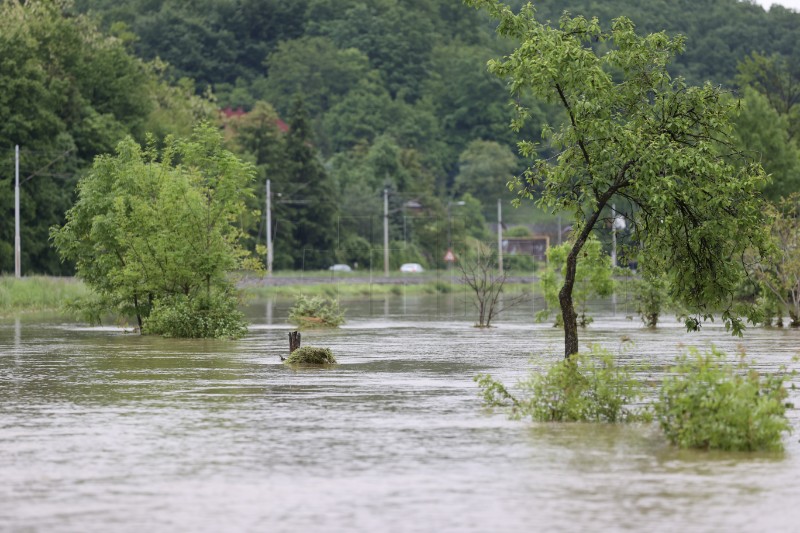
(535, 246)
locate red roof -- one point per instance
(228, 112)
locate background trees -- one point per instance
(779, 272)
(395, 94)
(67, 94)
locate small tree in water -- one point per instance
(486, 281)
(780, 272)
(655, 147)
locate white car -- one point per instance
(411, 267)
(340, 268)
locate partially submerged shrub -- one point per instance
(651, 297)
(769, 309)
(316, 312)
(592, 279)
(712, 404)
(215, 317)
(584, 388)
(311, 355)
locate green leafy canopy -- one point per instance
(634, 136)
(150, 225)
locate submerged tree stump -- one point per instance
(294, 341)
(307, 355)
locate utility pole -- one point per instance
(17, 242)
(269, 229)
(499, 236)
(386, 232)
(559, 229)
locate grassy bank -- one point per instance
(43, 293)
(344, 288)
(309, 288)
(37, 293)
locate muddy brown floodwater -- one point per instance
(101, 430)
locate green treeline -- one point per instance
(341, 99)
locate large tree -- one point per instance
(637, 138)
(154, 228)
(309, 234)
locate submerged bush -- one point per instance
(311, 355)
(651, 297)
(316, 312)
(710, 403)
(215, 317)
(584, 388)
(593, 278)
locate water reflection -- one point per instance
(102, 430)
(17, 333)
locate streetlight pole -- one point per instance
(499, 236)
(450, 227)
(17, 241)
(450, 222)
(613, 236)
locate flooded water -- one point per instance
(102, 430)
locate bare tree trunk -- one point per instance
(138, 313)
(294, 341)
(568, 314)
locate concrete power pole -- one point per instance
(17, 242)
(386, 232)
(269, 230)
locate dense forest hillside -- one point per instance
(335, 101)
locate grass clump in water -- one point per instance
(585, 388)
(311, 355)
(316, 312)
(209, 317)
(709, 403)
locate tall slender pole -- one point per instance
(614, 252)
(269, 229)
(386, 232)
(559, 229)
(499, 236)
(613, 236)
(17, 242)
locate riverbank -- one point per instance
(46, 293)
(362, 284)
